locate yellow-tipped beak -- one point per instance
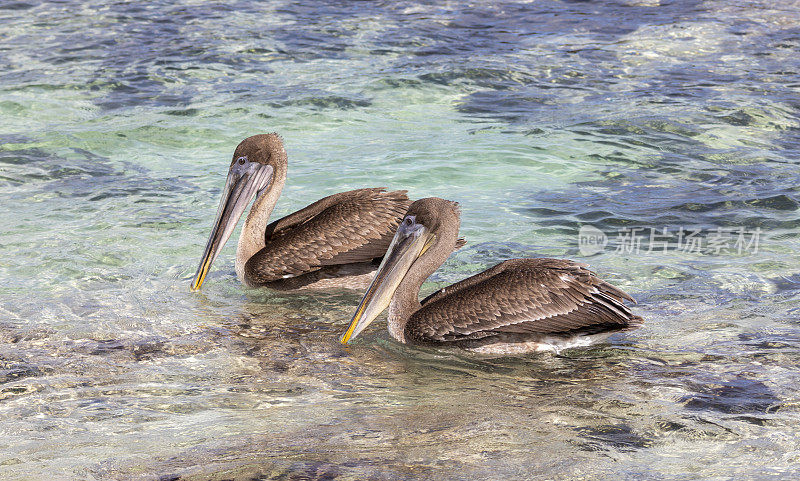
(205, 265)
(409, 243)
(243, 183)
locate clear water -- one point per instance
(117, 121)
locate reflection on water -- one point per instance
(118, 120)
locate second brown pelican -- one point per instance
(334, 242)
(517, 306)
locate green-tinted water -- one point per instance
(117, 121)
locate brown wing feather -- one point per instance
(287, 223)
(349, 227)
(522, 296)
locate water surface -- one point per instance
(118, 119)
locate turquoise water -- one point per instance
(118, 120)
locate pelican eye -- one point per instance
(409, 221)
(242, 160)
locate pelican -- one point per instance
(516, 307)
(334, 242)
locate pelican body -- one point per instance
(517, 306)
(334, 242)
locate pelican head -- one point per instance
(250, 174)
(430, 224)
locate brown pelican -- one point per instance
(517, 306)
(335, 241)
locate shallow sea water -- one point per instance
(118, 119)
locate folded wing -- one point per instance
(345, 228)
(546, 296)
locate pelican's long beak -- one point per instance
(243, 183)
(409, 243)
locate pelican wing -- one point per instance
(345, 228)
(548, 296)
